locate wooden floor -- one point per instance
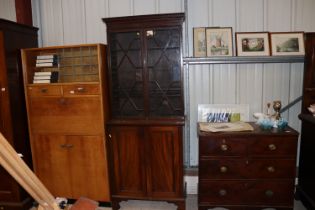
(191, 204)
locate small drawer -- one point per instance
(223, 169)
(279, 146)
(81, 89)
(273, 192)
(220, 146)
(222, 192)
(271, 169)
(44, 90)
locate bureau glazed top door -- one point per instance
(309, 73)
(146, 74)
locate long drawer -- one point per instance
(246, 168)
(250, 192)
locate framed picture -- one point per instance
(290, 43)
(219, 41)
(252, 44)
(200, 48)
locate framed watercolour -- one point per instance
(252, 44)
(200, 48)
(219, 41)
(290, 43)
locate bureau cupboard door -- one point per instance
(126, 151)
(164, 152)
(71, 166)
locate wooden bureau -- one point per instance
(247, 170)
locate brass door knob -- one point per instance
(224, 147)
(222, 192)
(223, 169)
(269, 193)
(271, 169)
(272, 147)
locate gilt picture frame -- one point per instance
(219, 41)
(287, 43)
(252, 44)
(200, 47)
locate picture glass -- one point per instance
(252, 44)
(219, 41)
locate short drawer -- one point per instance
(260, 192)
(280, 146)
(221, 146)
(44, 90)
(81, 89)
(247, 168)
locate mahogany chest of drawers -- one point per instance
(247, 170)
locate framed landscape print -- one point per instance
(252, 44)
(219, 41)
(200, 47)
(290, 43)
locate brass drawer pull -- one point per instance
(269, 193)
(271, 169)
(272, 147)
(222, 192)
(224, 147)
(223, 169)
(66, 146)
(81, 89)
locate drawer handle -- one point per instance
(271, 169)
(224, 147)
(222, 192)
(44, 90)
(223, 169)
(269, 193)
(81, 89)
(66, 146)
(272, 147)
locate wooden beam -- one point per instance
(23, 9)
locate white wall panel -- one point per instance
(278, 15)
(51, 22)
(120, 8)
(74, 21)
(142, 7)
(304, 13)
(7, 10)
(95, 10)
(167, 6)
(252, 9)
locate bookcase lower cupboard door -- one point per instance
(67, 118)
(13, 118)
(151, 158)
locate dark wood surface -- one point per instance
(145, 81)
(13, 119)
(306, 175)
(248, 169)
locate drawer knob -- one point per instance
(271, 169)
(44, 90)
(272, 147)
(222, 192)
(81, 89)
(269, 193)
(224, 147)
(66, 146)
(223, 169)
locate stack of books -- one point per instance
(46, 60)
(45, 77)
